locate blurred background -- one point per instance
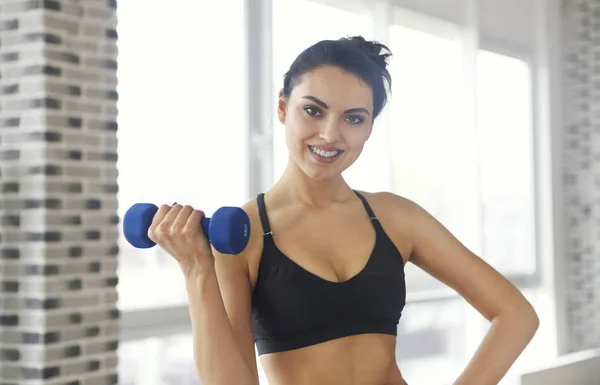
(493, 126)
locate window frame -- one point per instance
(505, 48)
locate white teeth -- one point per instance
(326, 154)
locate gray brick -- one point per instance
(110, 49)
(81, 301)
(11, 372)
(9, 25)
(110, 110)
(29, 88)
(75, 107)
(60, 24)
(86, 172)
(8, 336)
(107, 380)
(101, 14)
(9, 320)
(9, 57)
(111, 298)
(87, 332)
(75, 268)
(93, 30)
(110, 362)
(97, 347)
(61, 89)
(77, 75)
(73, 9)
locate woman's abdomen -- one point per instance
(366, 359)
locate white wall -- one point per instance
(582, 368)
(493, 16)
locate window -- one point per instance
(506, 160)
(505, 152)
(166, 360)
(431, 149)
(182, 131)
(158, 361)
(183, 137)
(457, 174)
(432, 335)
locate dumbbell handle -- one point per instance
(229, 234)
(205, 222)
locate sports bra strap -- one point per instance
(264, 220)
(366, 204)
(262, 211)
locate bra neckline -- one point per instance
(353, 278)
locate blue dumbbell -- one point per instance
(228, 230)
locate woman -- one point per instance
(320, 289)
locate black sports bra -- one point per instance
(293, 308)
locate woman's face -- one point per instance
(328, 119)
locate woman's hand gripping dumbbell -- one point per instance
(185, 233)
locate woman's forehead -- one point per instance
(336, 87)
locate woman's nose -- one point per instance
(330, 131)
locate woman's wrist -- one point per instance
(198, 273)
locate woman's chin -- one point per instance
(321, 174)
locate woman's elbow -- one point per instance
(524, 317)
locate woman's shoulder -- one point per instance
(389, 203)
(396, 214)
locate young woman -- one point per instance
(320, 289)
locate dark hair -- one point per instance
(352, 54)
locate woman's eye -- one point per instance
(355, 119)
(312, 111)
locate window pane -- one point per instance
(432, 149)
(506, 160)
(158, 361)
(291, 36)
(181, 121)
(431, 335)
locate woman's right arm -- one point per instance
(223, 340)
(219, 293)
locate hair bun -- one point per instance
(373, 49)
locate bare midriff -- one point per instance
(367, 359)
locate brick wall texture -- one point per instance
(581, 101)
(59, 322)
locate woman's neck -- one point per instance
(295, 186)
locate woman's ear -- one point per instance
(282, 107)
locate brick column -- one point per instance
(581, 101)
(59, 322)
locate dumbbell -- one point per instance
(228, 230)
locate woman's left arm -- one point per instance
(513, 319)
